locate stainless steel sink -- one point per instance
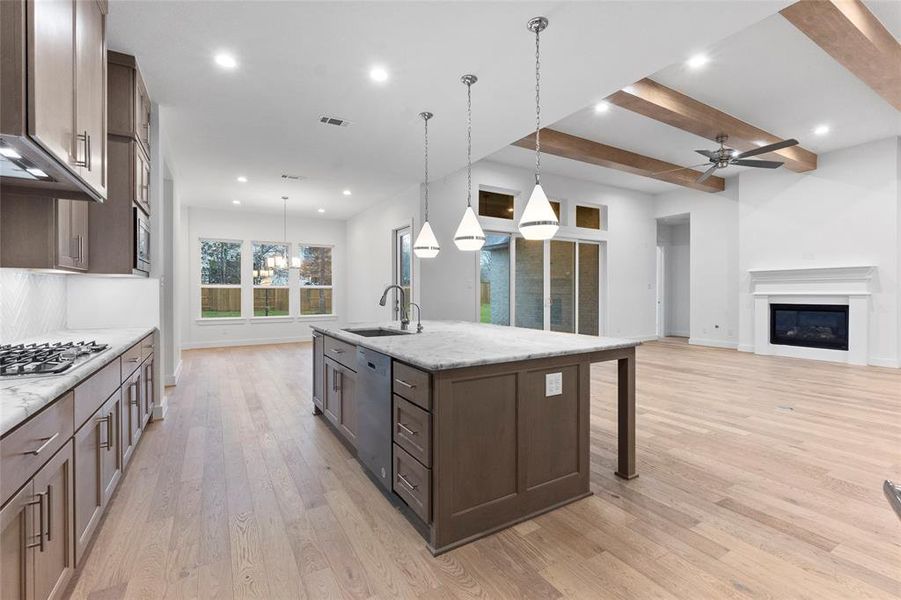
(377, 332)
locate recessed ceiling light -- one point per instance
(320, 210)
(601, 107)
(821, 129)
(9, 152)
(697, 61)
(242, 179)
(378, 74)
(225, 60)
(346, 192)
(236, 202)
(36, 172)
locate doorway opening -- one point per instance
(674, 276)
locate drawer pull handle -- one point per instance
(405, 384)
(337, 351)
(132, 360)
(150, 347)
(406, 429)
(47, 442)
(407, 483)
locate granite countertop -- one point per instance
(444, 345)
(21, 397)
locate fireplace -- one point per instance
(809, 325)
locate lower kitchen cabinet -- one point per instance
(132, 414)
(339, 399)
(318, 369)
(98, 467)
(36, 549)
(147, 394)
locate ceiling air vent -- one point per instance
(333, 121)
(292, 177)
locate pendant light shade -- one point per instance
(426, 244)
(469, 236)
(538, 221)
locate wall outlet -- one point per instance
(553, 384)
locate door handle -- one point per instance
(47, 442)
(49, 512)
(40, 503)
(88, 158)
(81, 137)
(106, 420)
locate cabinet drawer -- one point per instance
(23, 451)
(341, 352)
(131, 358)
(413, 483)
(93, 392)
(147, 347)
(413, 385)
(413, 430)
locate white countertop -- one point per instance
(21, 397)
(454, 344)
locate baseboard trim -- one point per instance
(643, 338)
(160, 409)
(746, 348)
(678, 334)
(173, 379)
(245, 342)
(884, 362)
(713, 343)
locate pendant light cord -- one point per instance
(537, 107)
(285, 220)
(426, 169)
(469, 144)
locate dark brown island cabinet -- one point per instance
(477, 449)
(59, 469)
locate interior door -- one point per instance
(51, 58)
(90, 91)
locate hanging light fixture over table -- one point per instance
(280, 261)
(538, 221)
(469, 234)
(426, 245)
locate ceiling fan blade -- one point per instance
(680, 169)
(707, 153)
(706, 174)
(764, 164)
(768, 148)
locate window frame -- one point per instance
(301, 286)
(255, 286)
(239, 286)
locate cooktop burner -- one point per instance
(34, 360)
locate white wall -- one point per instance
(713, 260)
(843, 213)
(675, 239)
(370, 244)
(237, 224)
(31, 304)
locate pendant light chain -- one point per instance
(537, 105)
(469, 144)
(426, 168)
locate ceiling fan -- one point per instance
(723, 157)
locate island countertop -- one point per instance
(21, 397)
(445, 345)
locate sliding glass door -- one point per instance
(553, 285)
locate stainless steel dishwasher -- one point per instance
(374, 414)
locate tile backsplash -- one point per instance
(30, 304)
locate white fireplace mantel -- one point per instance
(844, 285)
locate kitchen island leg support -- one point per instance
(626, 416)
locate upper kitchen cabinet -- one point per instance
(129, 102)
(53, 98)
(44, 233)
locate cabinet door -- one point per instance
(147, 396)
(90, 91)
(90, 442)
(55, 562)
(111, 456)
(79, 232)
(131, 416)
(142, 179)
(348, 424)
(66, 252)
(318, 369)
(142, 113)
(51, 55)
(17, 534)
(332, 397)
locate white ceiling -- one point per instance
(298, 60)
(770, 75)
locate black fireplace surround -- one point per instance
(809, 325)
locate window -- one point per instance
(529, 277)
(556, 206)
(495, 204)
(588, 217)
(494, 280)
(315, 280)
(220, 279)
(270, 279)
(403, 267)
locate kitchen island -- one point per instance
(474, 427)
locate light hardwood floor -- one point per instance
(759, 478)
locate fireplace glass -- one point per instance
(809, 325)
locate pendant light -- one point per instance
(280, 261)
(469, 234)
(538, 221)
(426, 245)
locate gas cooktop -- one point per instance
(37, 360)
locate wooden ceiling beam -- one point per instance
(850, 34)
(658, 102)
(569, 146)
